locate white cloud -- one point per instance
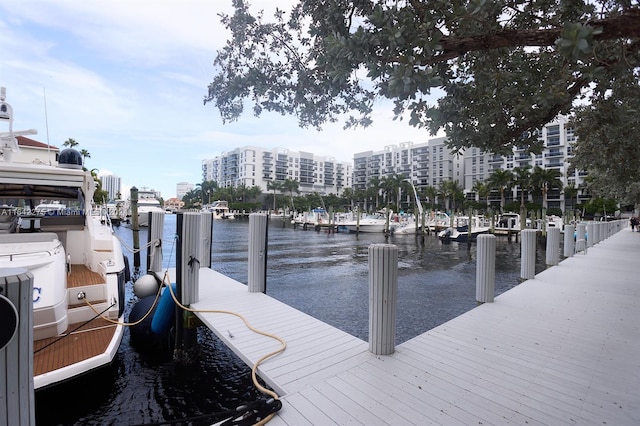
(126, 79)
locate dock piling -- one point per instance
(581, 238)
(569, 241)
(187, 285)
(206, 238)
(135, 227)
(553, 246)
(17, 405)
(486, 268)
(258, 231)
(590, 236)
(383, 296)
(154, 252)
(528, 254)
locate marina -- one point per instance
(557, 349)
(323, 275)
(426, 303)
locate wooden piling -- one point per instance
(383, 296)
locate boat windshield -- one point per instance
(41, 200)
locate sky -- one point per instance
(126, 79)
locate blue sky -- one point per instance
(126, 80)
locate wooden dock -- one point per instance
(562, 348)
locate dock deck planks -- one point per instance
(561, 348)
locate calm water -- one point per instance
(324, 275)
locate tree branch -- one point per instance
(626, 25)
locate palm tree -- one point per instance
(392, 185)
(71, 143)
(570, 193)
(373, 189)
(274, 186)
(388, 186)
(522, 178)
(482, 190)
(451, 191)
(545, 179)
(430, 192)
(85, 154)
(501, 180)
(242, 191)
(291, 185)
(254, 192)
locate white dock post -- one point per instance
(569, 243)
(258, 229)
(17, 405)
(154, 252)
(383, 296)
(528, 254)
(206, 238)
(553, 246)
(486, 268)
(188, 272)
(596, 233)
(581, 237)
(591, 240)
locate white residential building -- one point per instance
(182, 188)
(425, 164)
(429, 163)
(112, 184)
(558, 141)
(254, 166)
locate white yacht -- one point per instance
(47, 227)
(147, 202)
(220, 210)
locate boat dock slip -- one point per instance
(562, 348)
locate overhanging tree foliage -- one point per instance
(506, 67)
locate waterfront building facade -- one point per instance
(430, 163)
(558, 141)
(254, 166)
(425, 164)
(182, 189)
(112, 184)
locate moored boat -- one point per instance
(376, 223)
(462, 232)
(220, 210)
(79, 271)
(147, 202)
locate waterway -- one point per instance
(322, 274)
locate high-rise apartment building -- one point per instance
(425, 164)
(182, 188)
(429, 163)
(254, 166)
(111, 184)
(558, 140)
